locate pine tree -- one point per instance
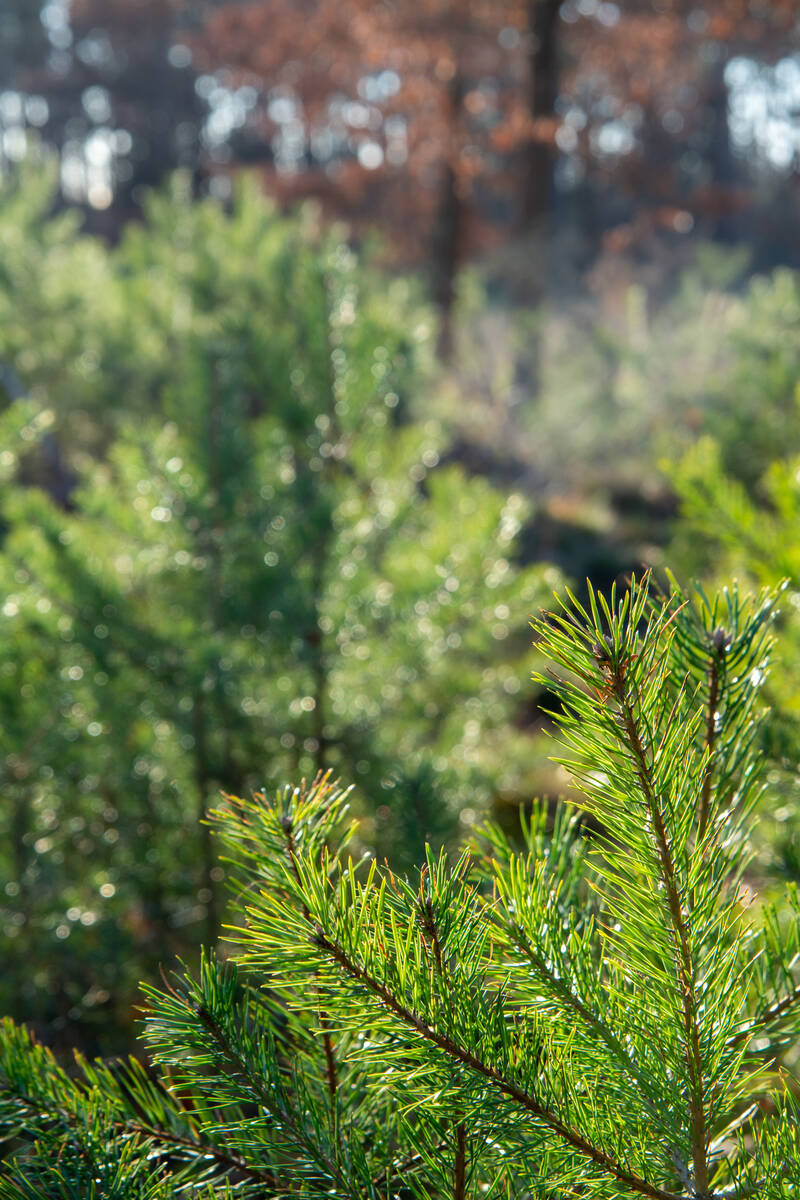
(600, 1013)
(262, 569)
(752, 532)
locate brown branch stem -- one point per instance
(460, 1168)
(697, 1116)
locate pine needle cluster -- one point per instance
(601, 1012)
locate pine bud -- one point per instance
(604, 651)
(721, 640)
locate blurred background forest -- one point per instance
(334, 336)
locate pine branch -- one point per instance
(327, 1038)
(779, 1010)
(242, 1068)
(432, 930)
(330, 1059)
(678, 917)
(516, 1042)
(430, 927)
(460, 1170)
(459, 1054)
(236, 1058)
(164, 1137)
(769, 1016)
(226, 1159)
(576, 1005)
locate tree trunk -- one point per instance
(527, 282)
(721, 159)
(447, 231)
(539, 157)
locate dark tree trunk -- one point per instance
(447, 231)
(528, 281)
(725, 174)
(539, 157)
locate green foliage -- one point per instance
(244, 562)
(600, 1013)
(749, 533)
(623, 388)
(755, 419)
(726, 527)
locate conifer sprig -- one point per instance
(593, 1013)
